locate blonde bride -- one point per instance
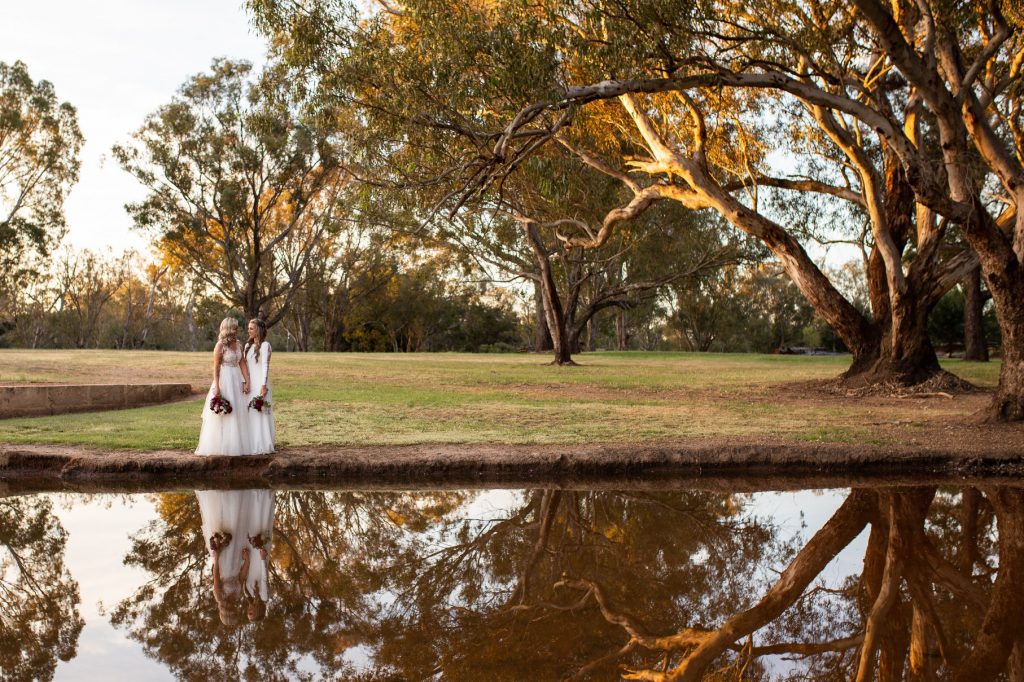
(225, 429)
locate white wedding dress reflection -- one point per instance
(259, 539)
(238, 533)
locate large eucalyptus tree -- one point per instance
(903, 124)
(241, 185)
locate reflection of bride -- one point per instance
(237, 529)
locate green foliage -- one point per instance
(749, 309)
(946, 321)
(39, 145)
(242, 184)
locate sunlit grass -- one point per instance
(387, 399)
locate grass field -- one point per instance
(393, 399)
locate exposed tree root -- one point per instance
(942, 384)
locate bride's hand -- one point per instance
(245, 387)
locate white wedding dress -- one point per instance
(242, 514)
(227, 434)
(223, 511)
(260, 520)
(262, 432)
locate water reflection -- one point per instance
(238, 529)
(561, 584)
(39, 619)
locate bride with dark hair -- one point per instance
(260, 415)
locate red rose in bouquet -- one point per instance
(220, 405)
(259, 403)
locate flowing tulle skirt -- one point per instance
(224, 511)
(261, 424)
(260, 519)
(226, 434)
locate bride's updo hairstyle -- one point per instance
(228, 331)
(257, 340)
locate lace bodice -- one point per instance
(230, 356)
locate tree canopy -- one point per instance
(854, 110)
(242, 183)
(39, 145)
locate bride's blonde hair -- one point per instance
(228, 331)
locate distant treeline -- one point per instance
(381, 301)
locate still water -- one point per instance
(535, 584)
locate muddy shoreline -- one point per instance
(702, 464)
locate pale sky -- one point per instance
(116, 61)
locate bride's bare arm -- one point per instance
(218, 587)
(243, 572)
(246, 385)
(217, 351)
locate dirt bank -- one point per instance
(749, 463)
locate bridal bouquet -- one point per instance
(220, 405)
(258, 403)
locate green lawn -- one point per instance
(464, 398)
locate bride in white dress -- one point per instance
(262, 432)
(238, 528)
(227, 433)
(256, 556)
(224, 527)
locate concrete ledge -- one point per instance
(760, 467)
(45, 399)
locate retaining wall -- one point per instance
(44, 399)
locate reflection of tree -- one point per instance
(423, 588)
(926, 612)
(323, 588)
(39, 620)
(589, 585)
(519, 598)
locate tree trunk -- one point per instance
(126, 329)
(149, 306)
(1008, 295)
(905, 355)
(542, 339)
(1008, 404)
(190, 321)
(975, 347)
(590, 334)
(621, 331)
(552, 303)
